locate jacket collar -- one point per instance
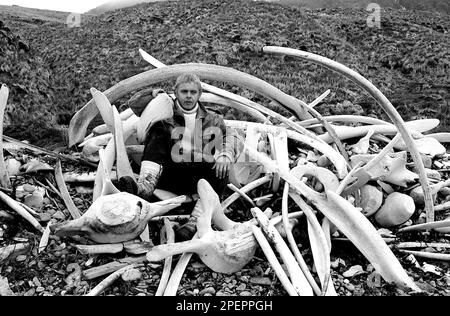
(201, 112)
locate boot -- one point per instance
(188, 230)
(146, 184)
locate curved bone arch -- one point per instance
(382, 101)
(79, 123)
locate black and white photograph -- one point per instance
(224, 153)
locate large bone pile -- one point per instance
(360, 173)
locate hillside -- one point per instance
(408, 58)
(117, 4)
(442, 6)
(34, 14)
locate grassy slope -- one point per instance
(407, 58)
(442, 6)
(35, 14)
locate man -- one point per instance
(194, 144)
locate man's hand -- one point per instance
(222, 166)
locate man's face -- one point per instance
(188, 95)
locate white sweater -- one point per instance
(188, 136)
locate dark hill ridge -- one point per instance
(442, 6)
(408, 58)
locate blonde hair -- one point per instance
(187, 78)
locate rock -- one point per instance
(261, 281)
(445, 191)
(353, 271)
(59, 215)
(30, 292)
(427, 161)
(221, 293)
(245, 293)
(29, 188)
(36, 282)
(84, 190)
(36, 199)
(312, 157)
(397, 209)
(371, 200)
(425, 287)
(335, 264)
(13, 167)
(208, 290)
(323, 161)
(21, 258)
(44, 217)
(131, 275)
(40, 289)
(350, 287)
(241, 287)
(370, 268)
(447, 280)
(374, 280)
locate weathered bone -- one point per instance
(445, 224)
(99, 249)
(362, 146)
(93, 145)
(297, 277)
(382, 101)
(14, 205)
(167, 235)
(347, 132)
(159, 109)
(71, 207)
(426, 146)
(318, 239)
(417, 193)
(129, 128)
(273, 261)
(4, 177)
(428, 255)
(249, 187)
(109, 280)
(397, 209)
(103, 129)
(441, 137)
(345, 119)
(177, 274)
(222, 251)
(122, 162)
(336, 158)
(351, 222)
(293, 245)
(392, 168)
